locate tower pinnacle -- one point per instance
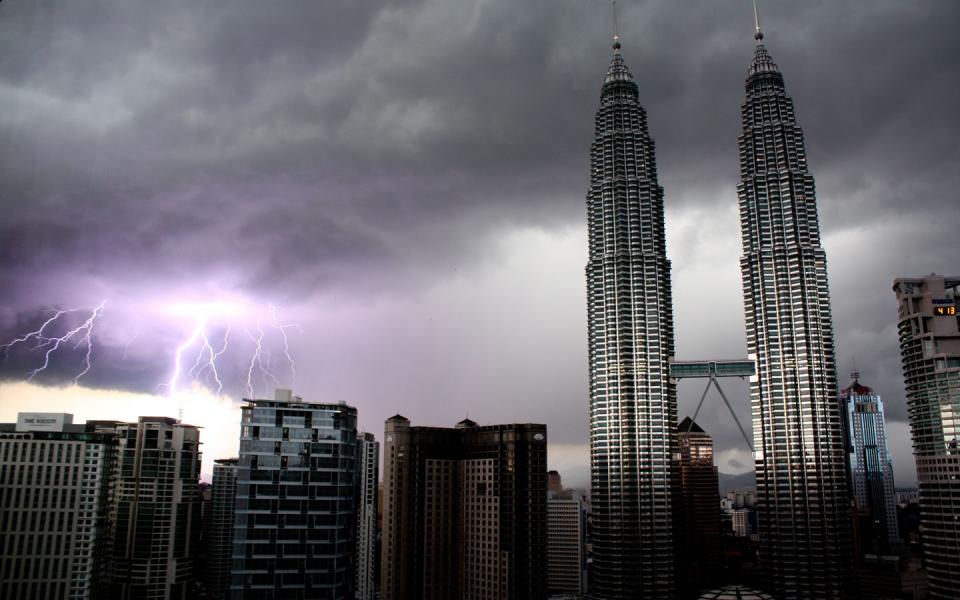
(758, 35)
(616, 34)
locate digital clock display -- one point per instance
(945, 310)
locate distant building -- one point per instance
(295, 534)
(220, 525)
(907, 495)
(871, 470)
(156, 509)
(929, 330)
(566, 543)
(465, 512)
(368, 479)
(554, 483)
(55, 485)
(741, 522)
(699, 515)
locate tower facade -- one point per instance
(156, 509)
(929, 330)
(368, 478)
(464, 512)
(295, 532)
(797, 425)
(55, 494)
(871, 470)
(630, 338)
(220, 524)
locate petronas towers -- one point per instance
(633, 404)
(797, 425)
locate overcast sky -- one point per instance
(405, 182)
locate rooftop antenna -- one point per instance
(616, 33)
(756, 21)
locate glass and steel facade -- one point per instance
(797, 424)
(630, 338)
(295, 531)
(871, 470)
(930, 352)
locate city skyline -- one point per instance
(406, 265)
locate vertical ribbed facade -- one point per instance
(464, 512)
(220, 524)
(55, 494)
(156, 510)
(929, 328)
(797, 424)
(368, 478)
(630, 336)
(871, 470)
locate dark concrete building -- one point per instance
(219, 528)
(633, 405)
(464, 512)
(799, 454)
(699, 508)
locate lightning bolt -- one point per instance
(256, 361)
(136, 334)
(37, 334)
(198, 356)
(282, 328)
(52, 344)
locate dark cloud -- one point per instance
(367, 153)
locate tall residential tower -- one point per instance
(797, 424)
(930, 350)
(630, 334)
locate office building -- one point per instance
(219, 528)
(930, 352)
(465, 512)
(296, 514)
(55, 492)
(630, 337)
(566, 544)
(802, 496)
(871, 470)
(368, 479)
(698, 513)
(156, 509)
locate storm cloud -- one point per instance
(407, 178)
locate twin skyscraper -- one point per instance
(797, 425)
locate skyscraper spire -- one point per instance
(758, 35)
(616, 33)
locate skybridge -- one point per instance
(713, 370)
